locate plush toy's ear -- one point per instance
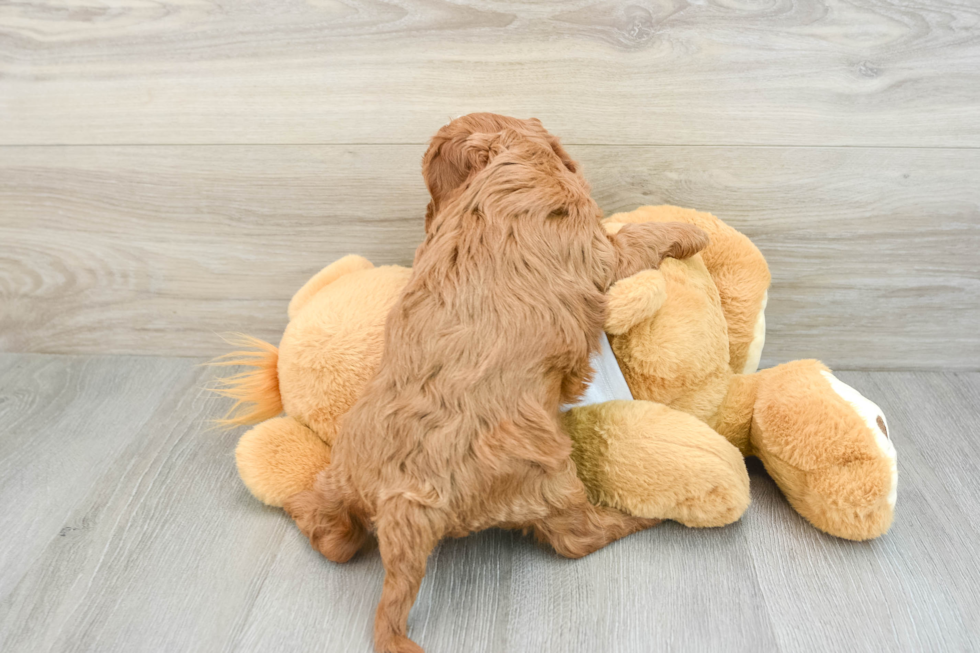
(326, 276)
(634, 300)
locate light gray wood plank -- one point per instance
(941, 416)
(875, 253)
(498, 591)
(163, 549)
(800, 72)
(309, 603)
(668, 588)
(469, 597)
(914, 588)
(155, 250)
(55, 414)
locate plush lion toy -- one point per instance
(687, 338)
(690, 336)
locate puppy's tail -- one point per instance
(255, 390)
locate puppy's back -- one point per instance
(505, 301)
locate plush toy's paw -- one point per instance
(652, 461)
(876, 424)
(739, 272)
(633, 300)
(279, 458)
(828, 449)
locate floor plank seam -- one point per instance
(422, 144)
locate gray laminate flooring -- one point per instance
(125, 528)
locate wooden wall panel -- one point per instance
(154, 249)
(790, 72)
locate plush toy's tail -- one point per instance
(256, 390)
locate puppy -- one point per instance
(459, 430)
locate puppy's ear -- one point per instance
(430, 212)
(441, 170)
(570, 163)
(451, 160)
(562, 154)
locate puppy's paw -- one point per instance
(683, 240)
(328, 524)
(397, 644)
(645, 245)
(303, 508)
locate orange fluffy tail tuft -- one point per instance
(256, 390)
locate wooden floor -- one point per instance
(126, 529)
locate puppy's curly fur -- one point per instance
(459, 430)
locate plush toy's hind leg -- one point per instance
(279, 458)
(653, 461)
(828, 449)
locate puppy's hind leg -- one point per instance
(323, 515)
(575, 527)
(407, 534)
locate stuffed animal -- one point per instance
(690, 335)
(680, 334)
(654, 460)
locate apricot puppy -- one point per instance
(459, 431)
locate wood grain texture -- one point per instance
(147, 559)
(789, 72)
(875, 252)
(157, 546)
(669, 588)
(55, 413)
(913, 589)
